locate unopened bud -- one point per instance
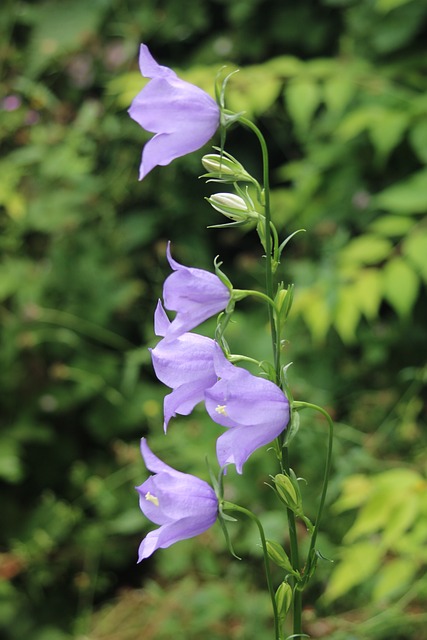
(224, 168)
(283, 599)
(289, 492)
(278, 555)
(232, 206)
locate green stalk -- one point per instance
(234, 507)
(315, 407)
(268, 248)
(293, 541)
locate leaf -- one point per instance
(388, 5)
(407, 197)
(418, 139)
(312, 305)
(366, 249)
(415, 249)
(359, 563)
(338, 91)
(303, 96)
(404, 514)
(368, 291)
(391, 225)
(386, 130)
(401, 285)
(10, 461)
(347, 314)
(356, 489)
(253, 90)
(394, 578)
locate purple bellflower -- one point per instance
(185, 364)
(254, 410)
(184, 506)
(194, 294)
(182, 116)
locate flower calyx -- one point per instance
(223, 167)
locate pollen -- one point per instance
(221, 409)
(152, 499)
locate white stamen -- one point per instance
(152, 499)
(221, 408)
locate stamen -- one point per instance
(221, 409)
(152, 499)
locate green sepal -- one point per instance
(221, 275)
(285, 242)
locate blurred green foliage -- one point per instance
(339, 88)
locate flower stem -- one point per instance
(268, 247)
(234, 507)
(315, 407)
(293, 541)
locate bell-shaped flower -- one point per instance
(184, 506)
(183, 116)
(194, 294)
(254, 410)
(185, 364)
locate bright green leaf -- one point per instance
(418, 139)
(338, 91)
(303, 96)
(401, 285)
(366, 249)
(359, 563)
(368, 291)
(388, 5)
(347, 314)
(415, 249)
(407, 197)
(394, 578)
(391, 225)
(386, 130)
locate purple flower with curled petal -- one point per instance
(194, 294)
(184, 506)
(254, 410)
(185, 364)
(182, 116)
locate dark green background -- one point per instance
(339, 90)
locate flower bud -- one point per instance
(232, 206)
(289, 492)
(224, 168)
(278, 555)
(283, 599)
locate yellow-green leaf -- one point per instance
(401, 284)
(368, 290)
(359, 563)
(303, 96)
(366, 249)
(394, 578)
(415, 250)
(408, 196)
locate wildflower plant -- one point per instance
(254, 410)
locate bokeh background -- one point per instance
(339, 87)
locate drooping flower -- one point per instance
(183, 116)
(194, 294)
(185, 364)
(184, 506)
(254, 410)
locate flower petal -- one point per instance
(183, 116)
(169, 534)
(236, 445)
(149, 67)
(153, 463)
